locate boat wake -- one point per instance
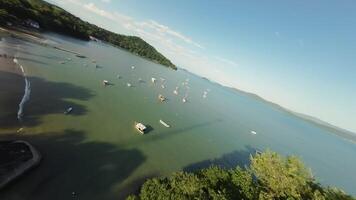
(27, 92)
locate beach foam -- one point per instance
(27, 92)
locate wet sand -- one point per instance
(11, 91)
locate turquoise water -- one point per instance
(95, 151)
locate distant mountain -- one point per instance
(41, 15)
(313, 120)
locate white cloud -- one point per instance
(227, 61)
(106, 1)
(91, 7)
(147, 25)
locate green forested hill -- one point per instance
(54, 18)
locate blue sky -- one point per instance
(299, 54)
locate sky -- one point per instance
(299, 54)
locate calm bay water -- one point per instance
(95, 151)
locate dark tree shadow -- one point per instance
(89, 169)
(227, 161)
(52, 97)
(11, 91)
(46, 97)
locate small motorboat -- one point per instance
(153, 80)
(253, 132)
(205, 94)
(176, 91)
(129, 85)
(19, 130)
(184, 100)
(132, 67)
(80, 56)
(69, 110)
(164, 123)
(161, 98)
(162, 86)
(105, 82)
(141, 127)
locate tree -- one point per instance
(269, 176)
(280, 177)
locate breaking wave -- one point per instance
(27, 92)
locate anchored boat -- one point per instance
(69, 110)
(164, 123)
(141, 127)
(105, 82)
(161, 98)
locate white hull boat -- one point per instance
(164, 123)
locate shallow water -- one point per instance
(95, 151)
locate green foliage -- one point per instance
(269, 176)
(279, 177)
(53, 18)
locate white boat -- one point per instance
(129, 85)
(184, 100)
(68, 110)
(132, 67)
(164, 123)
(205, 94)
(162, 86)
(153, 80)
(140, 127)
(105, 82)
(253, 132)
(161, 98)
(175, 92)
(19, 130)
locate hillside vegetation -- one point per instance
(269, 176)
(54, 18)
